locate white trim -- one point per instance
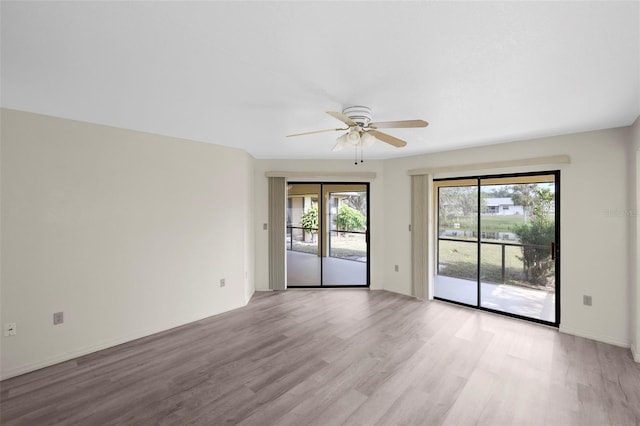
(598, 338)
(320, 175)
(248, 297)
(635, 353)
(537, 161)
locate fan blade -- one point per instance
(346, 120)
(399, 143)
(399, 124)
(317, 131)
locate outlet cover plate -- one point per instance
(10, 329)
(58, 318)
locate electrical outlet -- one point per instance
(586, 300)
(58, 318)
(10, 329)
(265, 226)
(396, 268)
(222, 282)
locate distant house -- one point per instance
(501, 207)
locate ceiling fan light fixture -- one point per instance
(362, 132)
(354, 137)
(367, 140)
(341, 142)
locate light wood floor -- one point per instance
(331, 357)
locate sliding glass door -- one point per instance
(302, 242)
(458, 242)
(498, 244)
(327, 235)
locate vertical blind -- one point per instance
(419, 235)
(277, 201)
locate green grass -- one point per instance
(487, 223)
(459, 260)
(501, 223)
(349, 246)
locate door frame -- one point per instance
(478, 179)
(322, 244)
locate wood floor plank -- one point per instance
(331, 357)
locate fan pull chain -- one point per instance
(356, 156)
(361, 153)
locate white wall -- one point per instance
(634, 240)
(376, 207)
(594, 256)
(127, 233)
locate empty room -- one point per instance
(319, 213)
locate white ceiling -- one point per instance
(245, 74)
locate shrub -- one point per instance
(539, 231)
(350, 219)
(309, 220)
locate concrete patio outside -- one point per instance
(303, 269)
(527, 302)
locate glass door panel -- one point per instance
(457, 270)
(346, 242)
(302, 239)
(518, 241)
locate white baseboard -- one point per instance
(249, 296)
(635, 353)
(596, 337)
(396, 292)
(66, 356)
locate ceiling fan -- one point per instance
(361, 132)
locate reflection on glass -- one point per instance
(346, 247)
(457, 245)
(517, 235)
(303, 262)
(497, 238)
(327, 235)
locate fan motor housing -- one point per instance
(359, 114)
